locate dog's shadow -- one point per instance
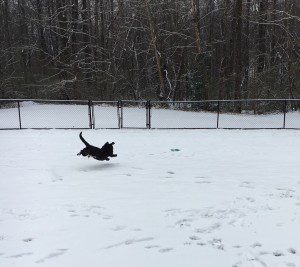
(99, 167)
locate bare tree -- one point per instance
(141, 49)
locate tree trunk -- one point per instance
(42, 41)
(74, 27)
(86, 37)
(238, 48)
(263, 5)
(161, 95)
(246, 54)
(63, 38)
(196, 22)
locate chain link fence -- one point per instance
(292, 116)
(252, 114)
(105, 114)
(44, 114)
(222, 114)
(134, 114)
(183, 115)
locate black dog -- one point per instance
(97, 153)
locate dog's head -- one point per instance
(109, 148)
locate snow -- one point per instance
(171, 198)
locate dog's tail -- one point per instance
(82, 139)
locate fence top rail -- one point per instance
(45, 100)
(105, 102)
(135, 101)
(143, 101)
(223, 100)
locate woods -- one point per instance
(149, 49)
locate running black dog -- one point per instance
(97, 153)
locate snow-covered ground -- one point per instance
(211, 198)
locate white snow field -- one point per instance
(209, 198)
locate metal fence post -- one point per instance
(218, 116)
(148, 114)
(119, 113)
(91, 114)
(120, 107)
(284, 113)
(19, 112)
